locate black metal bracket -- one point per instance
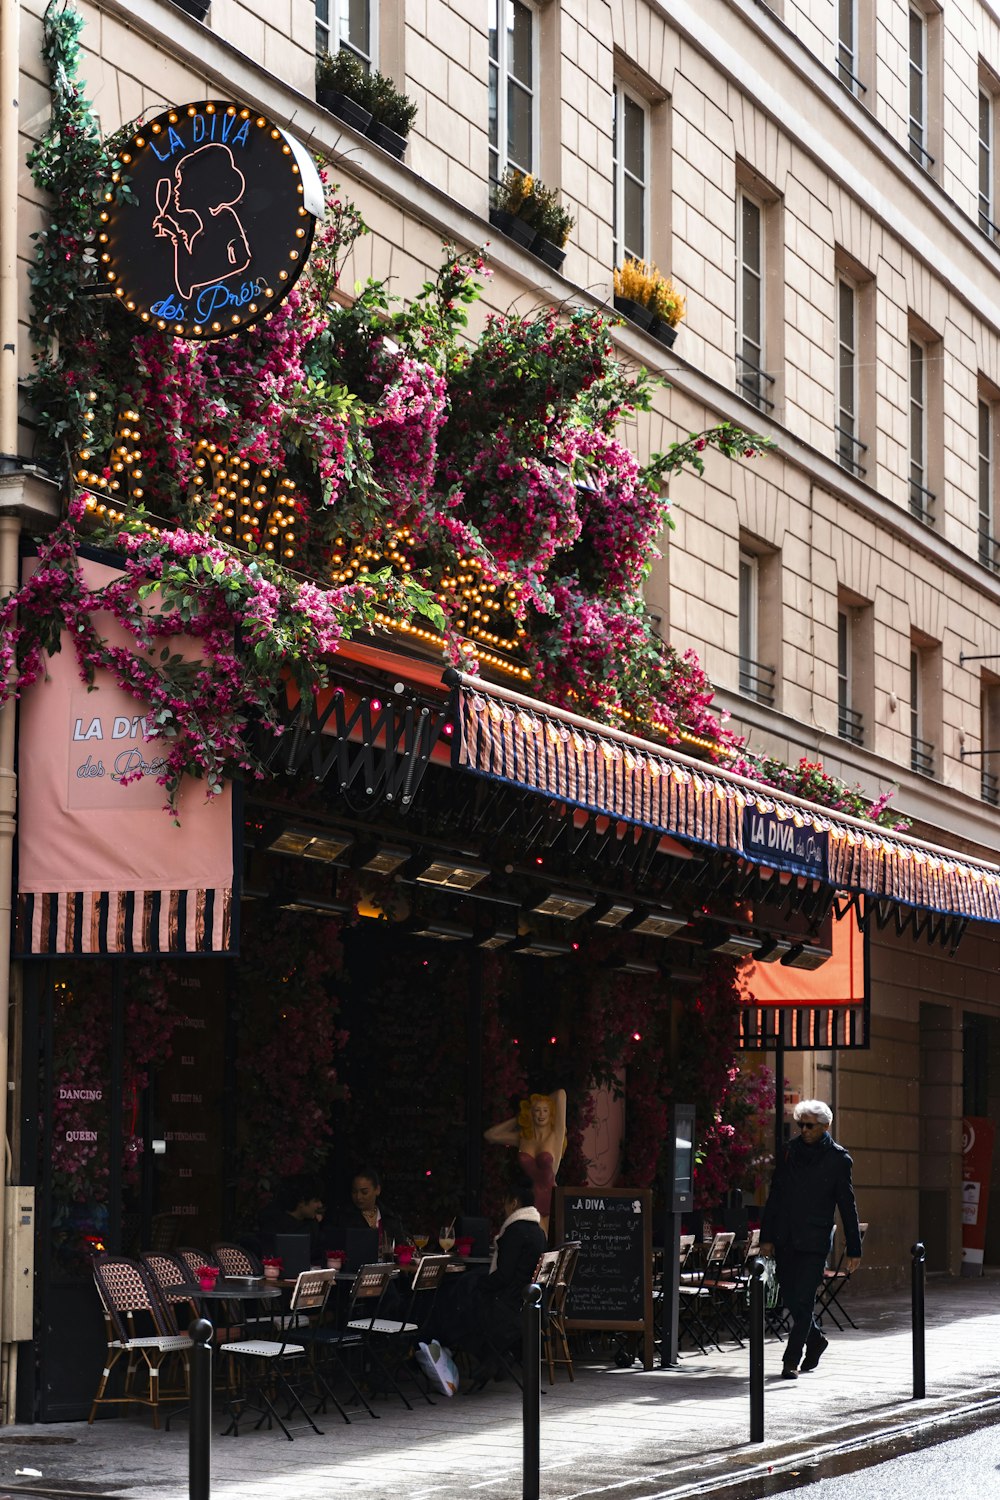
(380, 748)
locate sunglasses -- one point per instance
(810, 1125)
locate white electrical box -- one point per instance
(18, 1264)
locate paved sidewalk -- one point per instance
(623, 1434)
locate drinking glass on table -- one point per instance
(446, 1237)
(421, 1242)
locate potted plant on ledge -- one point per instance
(341, 87)
(526, 211)
(393, 114)
(649, 299)
(369, 101)
(510, 206)
(552, 224)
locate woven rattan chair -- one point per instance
(192, 1259)
(235, 1260)
(555, 1343)
(168, 1272)
(130, 1301)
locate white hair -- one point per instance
(815, 1107)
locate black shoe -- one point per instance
(815, 1348)
(789, 1372)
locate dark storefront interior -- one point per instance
(419, 947)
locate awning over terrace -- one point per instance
(501, 735)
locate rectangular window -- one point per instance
(987, 209)
(630, 144)
(349, 24)
(851, 450)
(757, 680)
(989, 552)
(751, 377)
(989, 728)
(921, 749)
(918, 89)
(850, 723)
(513, 50)
(921, 496)
(322, 26)
(847, 46)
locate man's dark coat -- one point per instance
(810, 1183)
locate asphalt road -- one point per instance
(966, 1468)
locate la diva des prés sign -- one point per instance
(217, 225)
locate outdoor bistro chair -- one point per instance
(543, 1276)
(834, 1281)
(698, 1316)
(234, 1260)
(167, 1273)
(397, 1337)
(127, 1292)
(370, 1285)
(333, 1346)
(192, 1259)
(267, 1366)
(730, 1291)
(555, 1344)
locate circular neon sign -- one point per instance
(218, 222)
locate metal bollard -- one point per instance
(917, 1307)
(531, 1353)
(200, 1439)
(757, 1351)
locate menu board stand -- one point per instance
(612, 1288)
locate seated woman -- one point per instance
(369, 1212)
(539, 1133)
(486, 1315)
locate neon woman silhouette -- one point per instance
(210, 243)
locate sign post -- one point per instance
(678, 1199)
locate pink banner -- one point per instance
(101, 867)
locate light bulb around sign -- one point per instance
(218, 223)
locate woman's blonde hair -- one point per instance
(525, 1124)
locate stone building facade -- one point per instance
(821, 182)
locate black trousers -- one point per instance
(799, 1274)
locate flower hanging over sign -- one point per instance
(213, 218)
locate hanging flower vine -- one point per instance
(409, 474)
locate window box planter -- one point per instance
(345, 108)
(548, 251)
(389, 140)
(197, 8)
(665, 333)
(513, 227)
(636, 313)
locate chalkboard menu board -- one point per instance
(613, 1284)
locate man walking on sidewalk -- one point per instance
(811, 1181)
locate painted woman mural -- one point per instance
(538, 1131)
(196, 210)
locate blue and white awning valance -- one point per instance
(506, 737)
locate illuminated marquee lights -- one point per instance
(480, 603)
(218, 222)
(248, 504)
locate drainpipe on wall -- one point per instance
(10, 527)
